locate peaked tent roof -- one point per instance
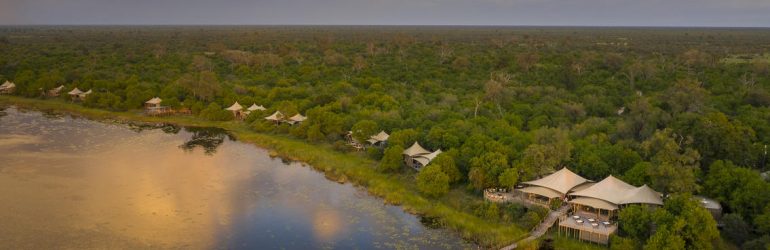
(7, 84)
(235, 107)
(546, 192)
(610, 189)
(595, 203)
(561, 181)
(382, 136)
(416, 149)
(86, 93)
(57, 89)
(154, 100)
(298, 118)
(277, 116)
(75, 91)
(254, 106)
(643, 195)
(425, 159)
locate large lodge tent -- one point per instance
(552, 186)
(610, 194)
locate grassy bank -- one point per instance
(336, 165)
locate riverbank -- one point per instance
(336, 165)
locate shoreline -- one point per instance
(335, 165)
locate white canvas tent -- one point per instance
(255, 107)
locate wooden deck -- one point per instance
(598, 233)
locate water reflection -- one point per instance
(206, 138)
(73, 183)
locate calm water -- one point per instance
(73, 183)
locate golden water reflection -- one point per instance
(72, 184)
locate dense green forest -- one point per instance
(686, 111)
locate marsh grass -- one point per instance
(397, 189)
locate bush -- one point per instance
(432, 182)
(735, 229)
(374, 153)
(392, 159)
(215, 113)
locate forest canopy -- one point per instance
(686, 111)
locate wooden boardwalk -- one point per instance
(542, 228)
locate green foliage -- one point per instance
(690, 98)
(214, 112)
(404, 138)
(432, 181)
(735, 229)
(509, 178)
(485, 170)
(622, 243)
(446, 161)
(392, 159)
(363, 129)
(673, 166)
(637, 222)
(739, 189)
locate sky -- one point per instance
(720, 13)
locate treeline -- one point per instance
(663, 107)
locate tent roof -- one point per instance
(154, 100)
(75, 91)
(595, 203)
(561, 181)
(415, 150)
(610, 189)
(372, 141)
(7, 84)
(427, 158)
(382, 136)
(57, 89)
(235, 107)
(542, 191)
(298, 118)
(277, 116)
(256, 107)
(643, 195)
(707, 202)
(86, 93)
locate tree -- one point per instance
(740, 189)
(685, 96)
(392, 160)
(716, 137)
(636, 222)
(404, 137)
(735, 229)
(665, 239)
(214, 112)
(446, 161)
(486, 168)
(509, 177)
(673, 166)
(363, 129)
(432, 181)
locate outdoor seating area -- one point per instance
(586, 228)
(500, 195)
(593, 205)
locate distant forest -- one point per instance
(683, 110)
